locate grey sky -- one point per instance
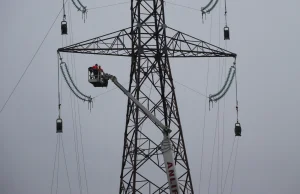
(265, 36)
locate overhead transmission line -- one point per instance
(59, 144)
(78, 8)
(221, 79)
(183, 6)
(209, 7)
(227, 171)
(75, 111)
(205, 109)
(81, 8)
(79, 118)
(214, 98)
(191, 89)
(82, 96)
(217, 127)
(63, 148)
(236, 152)
(99, 7)
(54, 168)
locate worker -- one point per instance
(95, 70)
(100, 69)
(100, 73)
(95, 66)
(90, 70)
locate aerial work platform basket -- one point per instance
(97, 78)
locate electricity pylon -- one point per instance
(150, 43)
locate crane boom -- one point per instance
(166, 146)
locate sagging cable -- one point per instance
(64, 75)
(69, 75)
(214, 5)
(226, 82)
(78, 8)
(203, 9)
(81, 96)
(84, 10)
(81, 8)
(217, 96)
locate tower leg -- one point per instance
(151, 82)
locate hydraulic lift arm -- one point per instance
(166, 146)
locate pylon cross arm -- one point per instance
(118, 43)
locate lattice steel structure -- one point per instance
(150, 48)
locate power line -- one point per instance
(79, 119)
(236, 152)
(203, 129)
(225, 64)
(191, 89)
(150, 88)
(205, 109)
(105, 92)
(59, 137)
(183, 6)
(75, 131)
(63, 148)
(125, 2)
(211, 166)
(74, 113)
(220, 80)
(223, 128)
(222, 191)
(53, 173)
(109, 5)
(31, 61)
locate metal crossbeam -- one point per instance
(119, 44)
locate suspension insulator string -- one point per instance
(59, 103)
(238, 128)
(225, 13)
(236, 91)
(64, 11)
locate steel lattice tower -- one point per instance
(150, 47)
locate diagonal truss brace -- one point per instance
(119, 43)
(184, 45)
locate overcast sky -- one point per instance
(265, 36)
